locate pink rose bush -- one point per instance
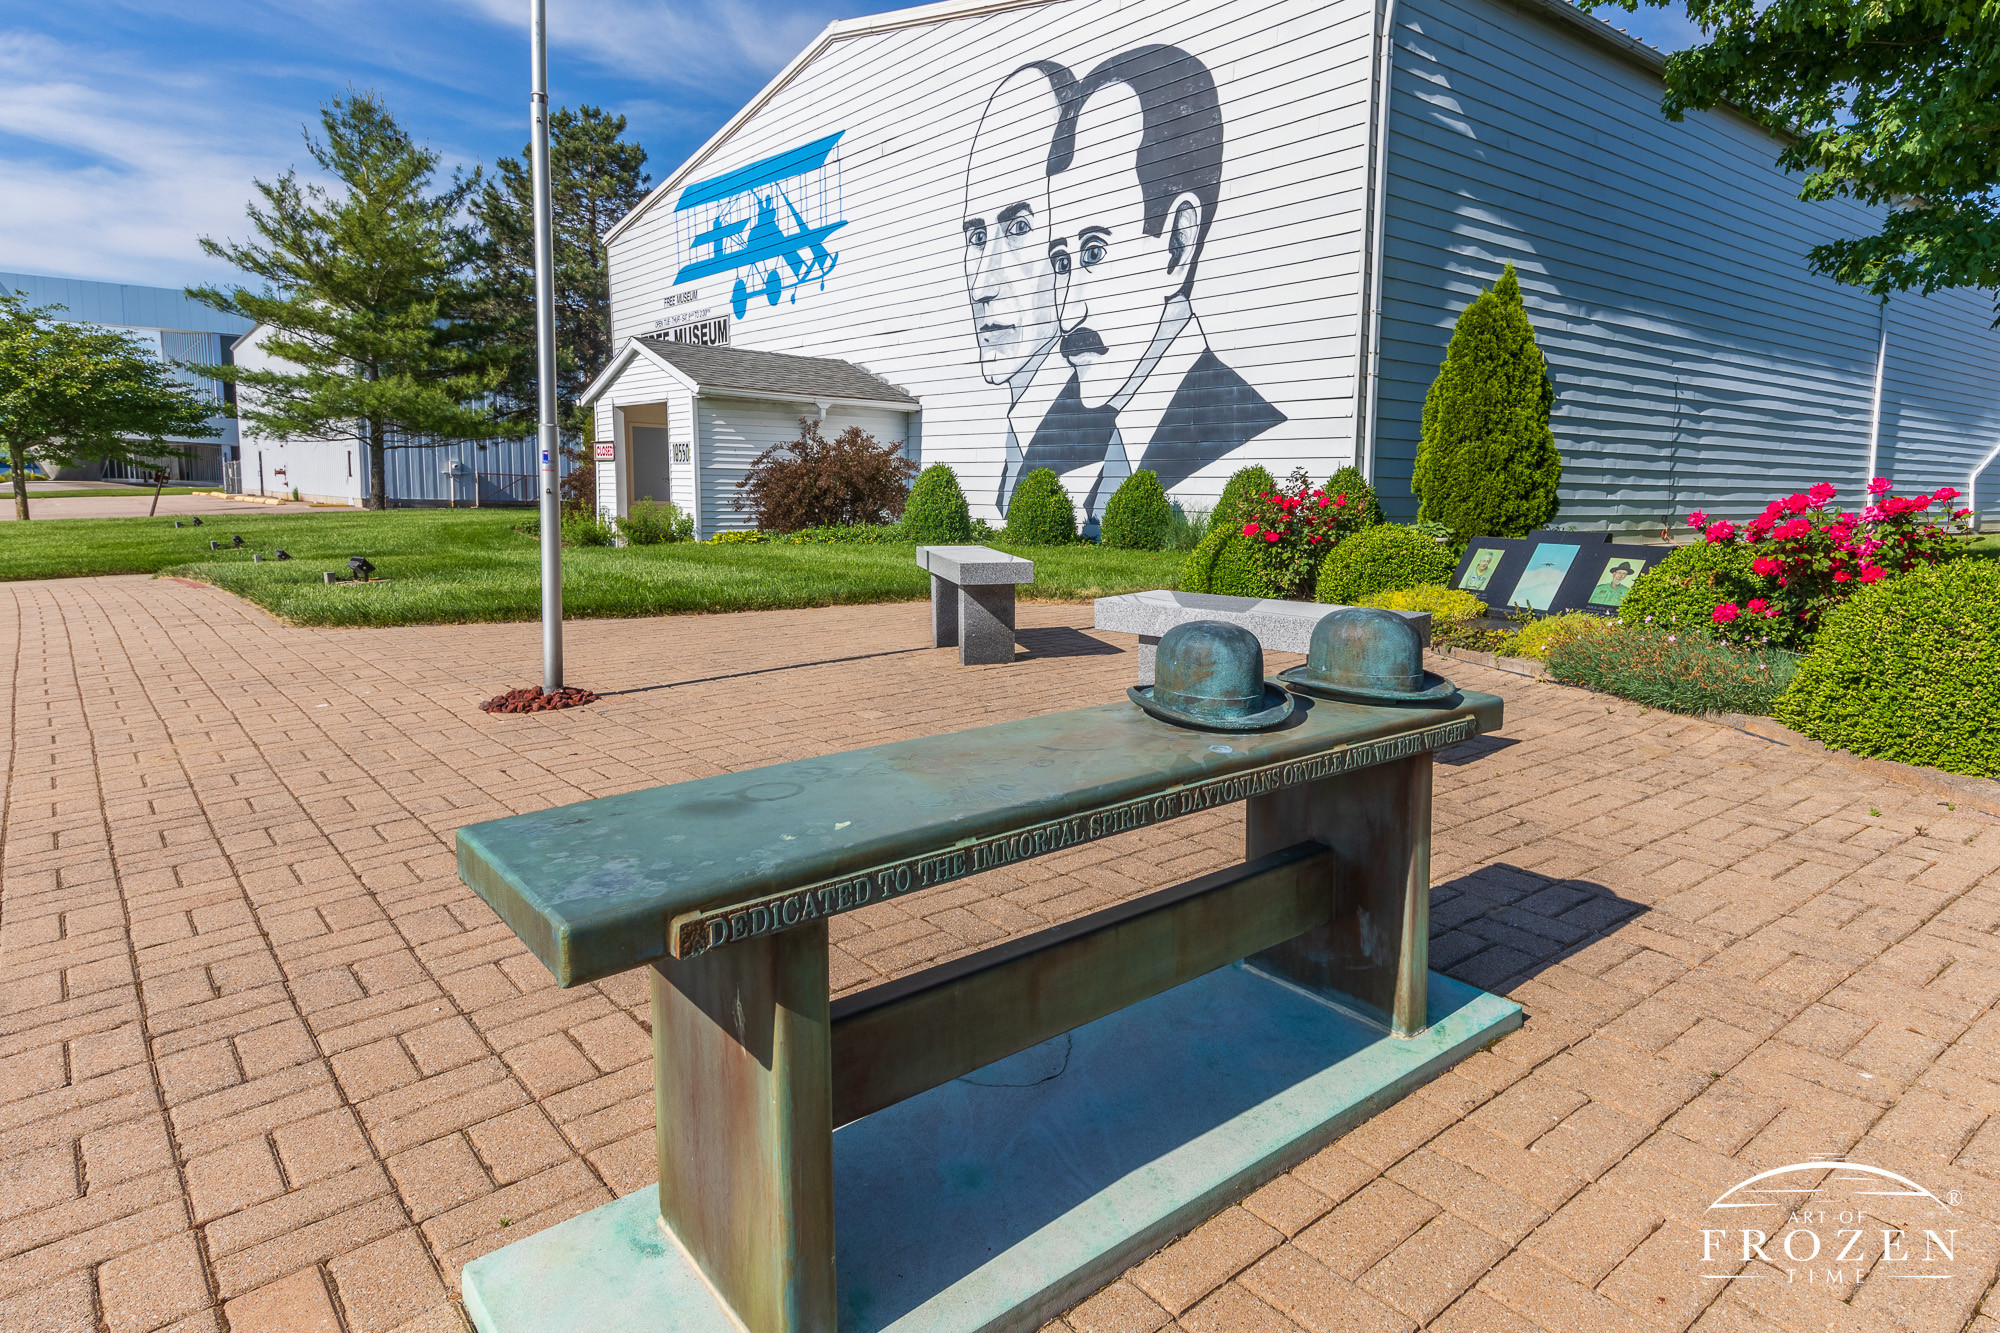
(1295, 526)
(1811, 556)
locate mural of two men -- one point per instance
(1087, 204)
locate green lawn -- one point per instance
(443, 566)
(98, 493)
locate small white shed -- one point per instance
(681, 423)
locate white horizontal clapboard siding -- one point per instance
(734, 431)
(1277, 289)
(1697, 362)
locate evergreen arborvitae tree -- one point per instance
(366, 298)
(936, 513)
(1487, 465)
(596, 177)
(1041, 512)
(1138, 516)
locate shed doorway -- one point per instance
(651, 459)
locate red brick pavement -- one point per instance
(266, 1065)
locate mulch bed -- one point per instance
(532, 700)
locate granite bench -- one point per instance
(1005, 1132)
(1284, 627)
(972, 600)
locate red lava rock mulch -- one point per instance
(531, 700)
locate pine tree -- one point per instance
(596, 177)
(70, 393)
(1487, 464)
(366, 297)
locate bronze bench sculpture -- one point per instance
(723, 887)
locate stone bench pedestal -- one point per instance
(1283, 627)
(972, 600)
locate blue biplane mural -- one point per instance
(766, 222)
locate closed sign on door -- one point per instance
(606, 452)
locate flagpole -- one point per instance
(545, 354)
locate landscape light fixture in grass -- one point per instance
(197, 521)
(177, 522)
(281, 554)
(214, 545)
(236, 543)
(362, 569)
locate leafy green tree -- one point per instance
(1138, 516)
(1487, 463)
(596, 177)
(367, 297)
(1895, 104)
(70, 393)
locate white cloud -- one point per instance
(723, 48)
(114, 172)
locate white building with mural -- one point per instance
(1188, 237)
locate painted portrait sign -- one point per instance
(1615, 580)
(1479, 570)
(1543, 577)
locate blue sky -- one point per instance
(129, 129)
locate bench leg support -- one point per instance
(1373, 956)
(944, 613)
(1149, 653)
(742, 1063)
(986, 624)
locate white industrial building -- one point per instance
(1187, 236)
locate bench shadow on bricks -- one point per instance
(1062, 641)
(1499, 925)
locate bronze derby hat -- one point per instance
(1367, 656)
(1210, 675)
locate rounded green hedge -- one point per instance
(1908, 670)
(1139, 516)
(1041, 513)
(1349, 482)
(936, 513)
(1679, 593)
(1246, 483)
(1222, 563)
(1382, 559)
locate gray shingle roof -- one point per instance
(741, 369)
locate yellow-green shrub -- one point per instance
(1538, 639)
(1448, 606)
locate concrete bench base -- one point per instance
(1112, 1149)
(1284, 627)
(972, 600)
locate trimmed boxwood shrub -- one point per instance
(936, 513)
(1382, 559)
(1350, 483)
(1251, 481)
(1677, 673)
(1907, 670)
(1138, 517)
(1679, 594)
(1224, 562)
(1041, 513)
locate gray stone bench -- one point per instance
(972, 600)
(1284, 627)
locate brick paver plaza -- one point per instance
(268, 1066)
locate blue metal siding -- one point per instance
(1941, 395)
(505, 470)
(125, 305)
(1697, 363)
